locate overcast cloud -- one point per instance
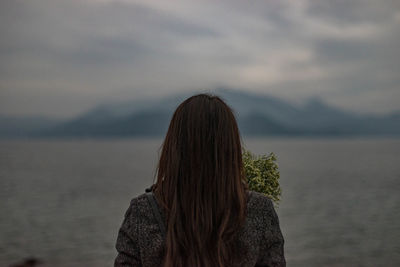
(60, 58)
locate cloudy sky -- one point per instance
(60, 58)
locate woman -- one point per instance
(200, 211)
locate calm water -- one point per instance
(63, 201)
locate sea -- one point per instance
(63, 201)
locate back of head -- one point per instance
(200, 183)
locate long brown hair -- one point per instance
(201, 185)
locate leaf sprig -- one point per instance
(262, 174)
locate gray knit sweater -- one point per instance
(140, 241)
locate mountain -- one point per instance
(257, 114)
(141, 123)
(18, 127)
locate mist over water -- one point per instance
(63, 200)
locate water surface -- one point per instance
(63, 201)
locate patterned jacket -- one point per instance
(140, 241)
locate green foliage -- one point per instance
(262, 174)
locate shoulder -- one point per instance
(139, 200)
(259, 202)
(261, 208)
(138, 205)
(137, 213)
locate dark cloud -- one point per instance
(333, 50)
(103, 50)
(353, 11)
(75, 54)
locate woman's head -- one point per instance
(200, 183)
